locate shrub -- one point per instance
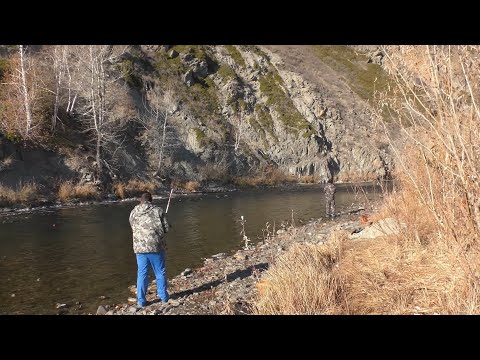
(24, 193)
(68, 191)
(133, 188)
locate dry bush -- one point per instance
(440, 120)
(396, 277)
(25, 193)
(212, 171)
(354, 177)
(244, 181)
(133, 188)
(119, 190)
(278, 176)
(269, 176)
(303, 281)
(189, 186)
(438, 168)
(433, 265)
(307, 179)
(385, 276)
(192, 186)
(86, 192)
(13, 117)
(68, 191)
(65, 191)
(7, 196)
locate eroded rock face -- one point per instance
(279, 106)
(331, 133)
(248, 107)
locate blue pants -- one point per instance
(157, 261)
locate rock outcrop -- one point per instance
(241, 110)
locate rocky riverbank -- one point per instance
(228, 283)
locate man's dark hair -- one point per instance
(146, 197)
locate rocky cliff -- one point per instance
(239, 110)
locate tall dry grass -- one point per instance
(269, 176)
(438, 164)
(302, 281)
(215, 172)
(68, 191)
(133, 188)
(190, 186)
(433, 265)
(385, 276)
(23, 194)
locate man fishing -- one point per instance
(149, 226)
(330, 190)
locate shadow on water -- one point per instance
(78, 256)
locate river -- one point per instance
(80, 255)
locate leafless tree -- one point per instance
(96, 82)
(158, 135)
(60, 68)
(24, 88)
(20, 95)
(71, 71)
(240, 126)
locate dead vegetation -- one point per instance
(68, 191)
(24, 193)
(433, 265)
(133, 188)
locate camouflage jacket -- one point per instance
(329, 190)
(149, 226)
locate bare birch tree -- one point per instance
(95, 82)
(24, 88)
(158, 135)
(60, 67)
(20, 95)
(240, 126)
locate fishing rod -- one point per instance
(168, 204)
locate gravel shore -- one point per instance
(226, 283)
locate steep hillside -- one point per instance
(192, 113)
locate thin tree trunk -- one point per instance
(163, 143)
(26, 100)
(70, 102)
(96, 113)
(57, 97)
(99, 159)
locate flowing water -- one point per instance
(80, 255)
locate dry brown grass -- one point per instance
(119, 190)
(192, 186)
(215, 172)
(303, 281)
(308, 179)
(24, 194)
(356, 177)
(68, 191)
(269, 177)
(387, 276)
(189, 186)
(433, 265)
(133, 188)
